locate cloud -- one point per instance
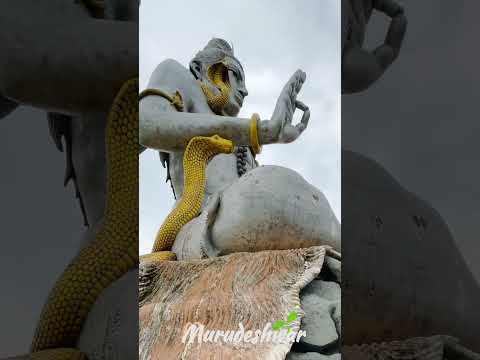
(272, 39)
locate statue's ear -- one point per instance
(196, 69)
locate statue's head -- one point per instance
(221, 76)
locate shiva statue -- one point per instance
(90, 93)
(226, 203)
(244, 206)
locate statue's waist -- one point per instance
(222, 171)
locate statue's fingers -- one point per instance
(290, 102)
(289, 133)
(300, 105)
(287, 89)
(289, 95)
(305, 118)
(306, 113)
(396, 33)
(300, 128)
(294, 85)
(290, 105)
(292, 82)
(302, 125)
(301, 76)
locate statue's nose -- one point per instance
(243, 91)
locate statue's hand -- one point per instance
(360, 67)
(280, 126)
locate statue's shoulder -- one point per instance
(170, 67)
(170, 76)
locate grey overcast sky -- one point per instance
(272, 39)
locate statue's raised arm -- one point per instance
(205, 100)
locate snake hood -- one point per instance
(213, 67)
(200, 150)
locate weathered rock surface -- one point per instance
(403, 273)
(220, 293)
(321, 302)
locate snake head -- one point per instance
(222, 145)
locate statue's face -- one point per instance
(238, 90)
(223, 83)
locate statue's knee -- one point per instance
(272, 207)
(268, 190)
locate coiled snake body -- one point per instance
(113, 252)
(200, 150)
(219, 77)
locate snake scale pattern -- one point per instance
(199, 151)
(113, 252)
(218, 74)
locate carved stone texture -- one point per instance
(321, 302)
(400, 280)
(249, 288)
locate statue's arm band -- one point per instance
(254, 142)
(176, 100)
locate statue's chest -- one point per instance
(221, 171)
(224, 169)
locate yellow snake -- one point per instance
(218, 74)
(199, 151)
(115, 248)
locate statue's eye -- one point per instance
(237, 75)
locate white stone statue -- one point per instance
(246, 207)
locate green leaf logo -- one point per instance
(292, 316)
(279, 324)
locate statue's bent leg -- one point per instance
(194, 239)
(270, 207)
